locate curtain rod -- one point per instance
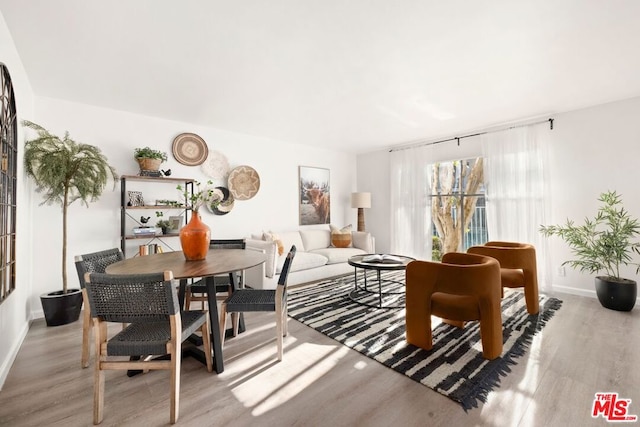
(458, 138)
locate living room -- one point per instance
(592, 149)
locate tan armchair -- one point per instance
(518, 268)
(460, 288)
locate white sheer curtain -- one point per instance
(517, 189)
(410, 202)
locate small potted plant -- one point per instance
(162, 223)
(64, 171)
(604, 244)
(149, 159)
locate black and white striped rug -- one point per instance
(454, 367)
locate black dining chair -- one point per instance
(148, 303)
(254, 300)
(197, 291)
(95, 262)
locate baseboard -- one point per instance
(580, 292)
(13, 353)
(575, 291)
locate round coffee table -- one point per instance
(378, 263)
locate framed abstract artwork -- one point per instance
(314, 193)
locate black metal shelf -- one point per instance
(124, 209)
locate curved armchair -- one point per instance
(518, 268)
(462, 287)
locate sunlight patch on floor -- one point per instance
(265, 389)
(522, 410)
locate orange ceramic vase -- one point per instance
(194, 238)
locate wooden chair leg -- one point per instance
(87, 325)
(235, 318)
(187, 299)
(98, 393)
(100, 334)
(279, 333)
(223, 322)
(176, 357)
(206, 344)
(284, 319)
(174, 347)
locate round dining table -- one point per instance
(217, 262)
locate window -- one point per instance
(8, 169)
(457, 206)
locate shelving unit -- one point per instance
(129, 215)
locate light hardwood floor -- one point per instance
(584, 349)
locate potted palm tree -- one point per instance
(604, 244)
(64, 171)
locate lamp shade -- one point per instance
(360, 200)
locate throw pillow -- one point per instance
(340, 237)
(270, 236)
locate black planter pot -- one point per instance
(617, 295)
(60, 309)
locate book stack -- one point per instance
(151, 248)
(145, 231)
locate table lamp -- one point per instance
(361, 201)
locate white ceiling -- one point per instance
(355, 75)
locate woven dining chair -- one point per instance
(95, 262)
(197, 291)
(148, 303)
(248, 300)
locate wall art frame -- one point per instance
(314, 191)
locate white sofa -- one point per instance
(315, 258)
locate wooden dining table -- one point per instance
(217, 262)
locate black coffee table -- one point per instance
(361, 262)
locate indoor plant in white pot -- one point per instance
(64, 171)
(604, 244)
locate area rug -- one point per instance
(454, 367)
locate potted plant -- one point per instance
(162, 223)
(149, 159)
(64, 171)
(604, 244)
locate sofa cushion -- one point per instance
(288, 239)
(305, 261)
(315, 239)
(340, 237)
(270, 236)
(363, 240)
(270, 250)
(337, 255)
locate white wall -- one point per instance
(592, 150)
(15, 311)
(117, 133)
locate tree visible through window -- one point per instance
(457, 206)
(8, 151)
